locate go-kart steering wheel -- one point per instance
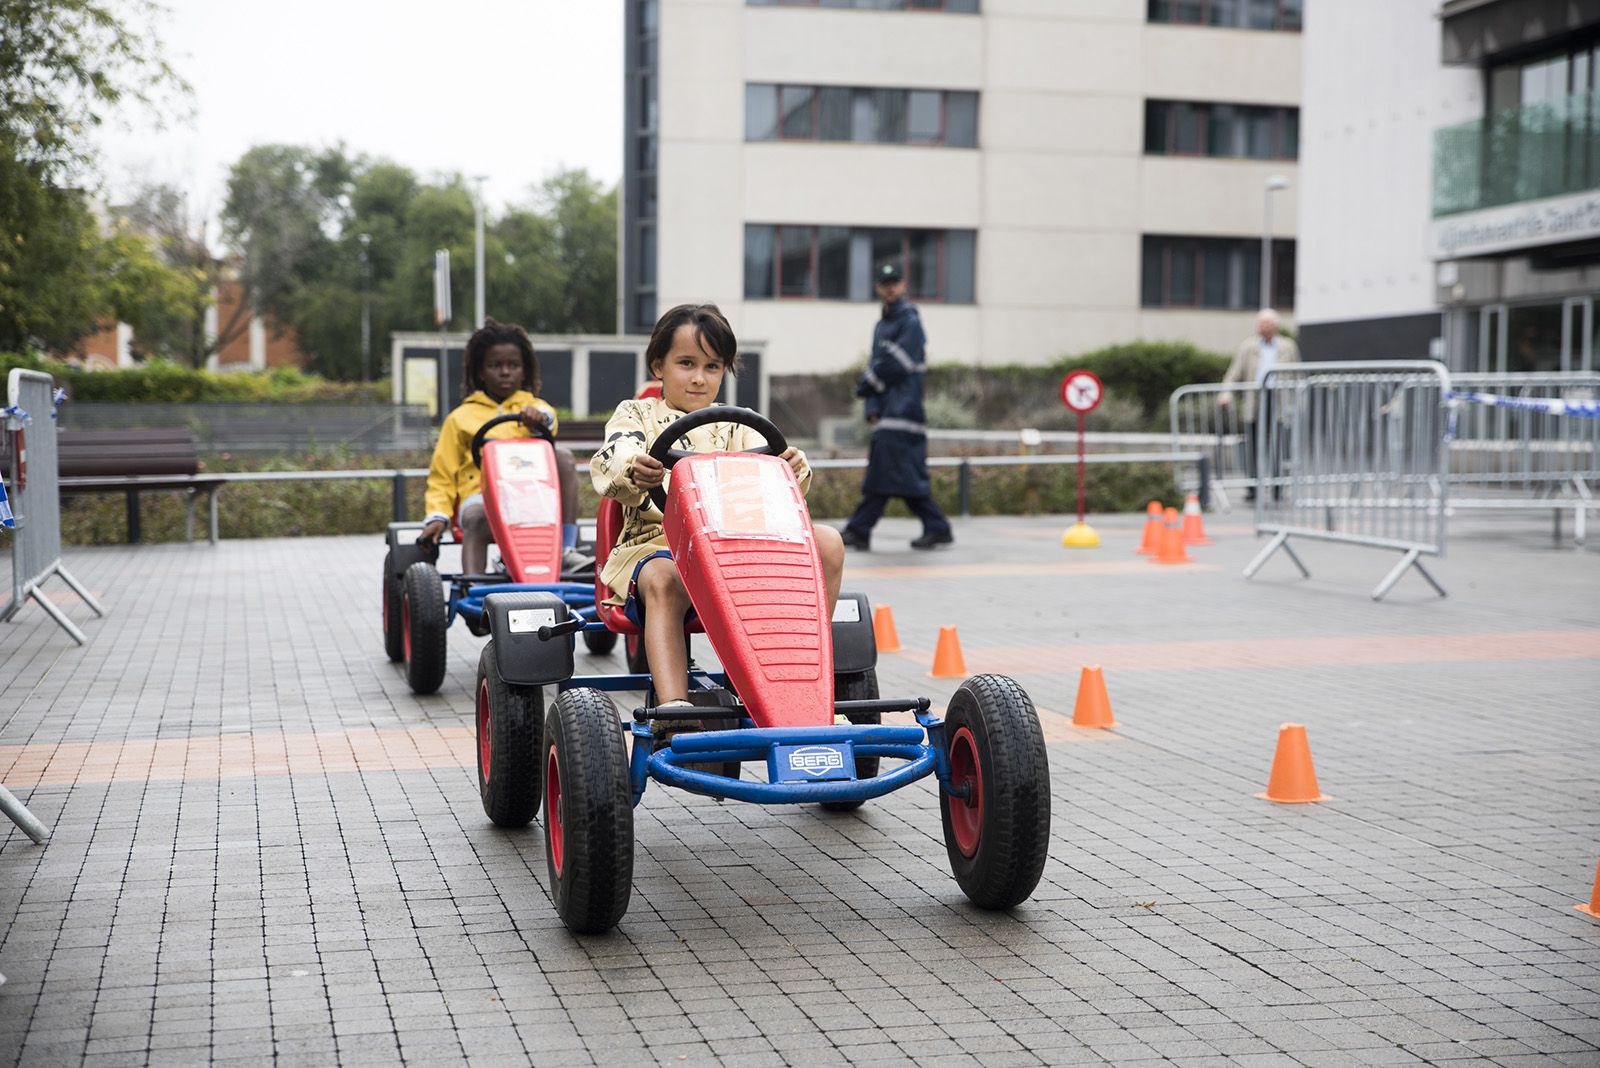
(662, 450)
(540, 431)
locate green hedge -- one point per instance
(166, 382)
(316, 508)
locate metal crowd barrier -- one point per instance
(1354, 453)
(34, 480)
(1202, 423)
(1520, 459)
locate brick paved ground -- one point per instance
(266, 846)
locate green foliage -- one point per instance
(1148, 371)
(298, 217)
(167, 382)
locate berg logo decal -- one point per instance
(815, 759)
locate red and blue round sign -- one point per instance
(1081, 391)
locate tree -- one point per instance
(585, 219)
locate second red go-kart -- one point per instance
(798, 692)
(522, 500)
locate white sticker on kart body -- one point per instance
(749, 497)
(529, 620)
(528, 503)
(848, 610)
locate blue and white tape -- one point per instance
(1549, 405)
(6, 518)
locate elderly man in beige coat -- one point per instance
(1256, 356)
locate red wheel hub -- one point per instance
(966, 814)
(552, 808)
(485, 725)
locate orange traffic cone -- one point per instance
(1293, 779)
(1170, 548)
(1152, 529)
(1593, 907)
(1194, 524)
(1094, 704)
(947, 660)
(883, 629)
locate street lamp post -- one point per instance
(366, 307)
(477, 255)
(1275, 183)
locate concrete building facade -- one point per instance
(1054, 176)
(1452, 183)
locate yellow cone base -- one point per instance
(1080, 536)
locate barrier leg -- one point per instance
(135, 534)
(1412, 558)
(55, 613)
(213, 507)
(22, 817)
(78, 588)
(1279, 540)
(188, 514)
(1580, 522)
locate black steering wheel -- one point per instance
(540, 431)
(662, 450)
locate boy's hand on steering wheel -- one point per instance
(432, 531)
(795, 459)
(646, 472)
(534, 417)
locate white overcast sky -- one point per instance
(511, 89)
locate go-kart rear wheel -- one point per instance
(998, 835)
(862, 687)
(599, 642)
(394, 639)
(510, 745)
(422, 627)
(633, 649)
(588, 812)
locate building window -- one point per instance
(1231, 131)
(1240, 14)
(836, 262)
(1213, 272)
(959, 6)
(868, 116)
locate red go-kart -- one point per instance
(797, 696)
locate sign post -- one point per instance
(1081, 392)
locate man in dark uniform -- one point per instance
(897, 464)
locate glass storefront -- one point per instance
(1520, 338)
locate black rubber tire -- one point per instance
(862, 687)
(633, 650)
(600, 642)
(1013, 823)
(511, 721)
(422, 604)
(394, 642)
(589, 804)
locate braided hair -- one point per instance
(486, 337)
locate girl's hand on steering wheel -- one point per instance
(646, 472)
(534, 417)
(433, 530)
(795, 459)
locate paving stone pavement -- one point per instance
(266, 847)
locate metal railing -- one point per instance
(269, 428)
(36, 500)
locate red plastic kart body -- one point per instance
(740, 532)
(522, 497)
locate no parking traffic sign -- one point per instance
(1081, 391)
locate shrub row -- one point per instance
(317, 508)
(165, 382)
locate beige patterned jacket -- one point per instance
(629, 432)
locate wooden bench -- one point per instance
(132, 461)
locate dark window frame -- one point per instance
(939, 294)
(814, 109)
(937, 7)
(1166, 12)
(1201, 111)
(1173, 247)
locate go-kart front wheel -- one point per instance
(998, 835)
(422, 627)
(510, 745)
(588, 812)
(394, 639)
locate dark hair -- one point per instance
(487, 337)
(710, 325)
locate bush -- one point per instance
(164, 381)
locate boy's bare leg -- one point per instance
(475, 538)
(830, 548)
(567, 478)
(666, 602)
